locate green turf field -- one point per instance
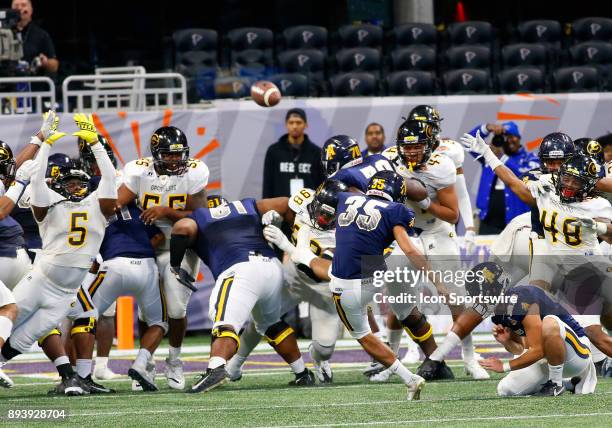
(262, 399)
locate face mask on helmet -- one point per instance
(415, 142)
(576, 179)
(73, 185)
(170, 151)
(322, 215)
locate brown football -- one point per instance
(265, 93)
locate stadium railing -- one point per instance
(21, 95)
(134, 92)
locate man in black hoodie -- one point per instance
(293, 162)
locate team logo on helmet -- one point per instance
(4, 154)
(593, 169)
(154, 140)
(330, 152)
(593, 147)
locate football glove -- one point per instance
(53, 137)
(276, 236)
(592, 225)
(539, 187)
(183, 277)
(302, 254)
(49, 124)
(87, 129)
(272, 218)
(474, 144)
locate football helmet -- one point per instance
(8, 167)
(428, 114)
(576, 179)
(73, 184)
(338, 152)
(323, 208)
(216, 200)
(590, 147)
(415, 142)
(170, 151)
(87, 158)
(59, 162)
(555, 147)
(387, 185)
(487, 279)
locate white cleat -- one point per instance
(414, 388)
(151, 372)
(472, 368)
(412, 356)
(144, 379)
(174, 374)
(104, 373)
(383, 376)
(5, 381)
(234, 371)
(323, 371)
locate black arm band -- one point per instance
(178, 247)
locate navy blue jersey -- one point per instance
(25, 218)
(229, 234)
(127, 235)
(526, 295)
(359, 175)
(11, 237)
(364, 227)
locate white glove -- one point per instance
(276, 236)
(540, 187)
(302, 254)
(49, 124)
(470, 241)
(424, 204)
(591, 225)
(474, 144)
(25, 171)
(271, 218)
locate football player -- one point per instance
(168, 186)
(366, 225)
(72, 221)
(306, 275)
(248, 281)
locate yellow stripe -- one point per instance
(162, 297)
(422, 338)
(341, 313)
(96, 283)
(282, 336)
(530, 253)
(83, 300)
(223, 298)
(576, 344)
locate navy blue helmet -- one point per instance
(340, 151)
(577, 177)
(57, 163)
(590, 147)
(555, 146)
(388, 185)
(487, 279)
(323, 208)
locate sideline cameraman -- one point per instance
(497, 204)
(38, 48)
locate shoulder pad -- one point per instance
(390, 153)
(453, 150)
(198, 174)
(301, 199)
(442, 170)
(137, 167)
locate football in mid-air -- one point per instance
(265, 93)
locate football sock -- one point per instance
(101, 363)
(142, 358)
(215, 362)
(467, 348)
(62, 364)
(442, 350)
(556, 374)
(83, 367)
(174, 353)
(399, 369)
(395, 338)
(298, 366)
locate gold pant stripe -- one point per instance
(422, 338)
(575, 343)
(96, 283)
(282, 336)
(222, 298)
(162, 298)
(85, 303)
(530, 253)
(341, 312)
(51, 333)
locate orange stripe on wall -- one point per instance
(102, 130)
(540, 97)
(214, 144)
(136, 134)
(215, 185)
(534, 144)
(167, 117)
(515, 116)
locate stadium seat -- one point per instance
(470, 33)
(540, 31)
(525, 55)
(291, 84)
(415, 57)
(310, 62)
(414, 34)
(305, 37)
(411, 83)
(594, 52)
(576, 79)
(197, 44)
(469, 56)
(251, 47)
(466, 81)
(354, 84)
(521, 79)
(359, 59)
(364, 35)
(586, 29)
(232, 87)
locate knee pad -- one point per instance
(278, 332)
(225, 331)
(320, 352)
(83, 325)
(417, 327)
(51, 333)
(8, 352)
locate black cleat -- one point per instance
(143, 378)
(210, 380)
(70, 386)
(374, 368)
(435, 370)
(571, 385)
(306, 378)
(550, 389)
(88, 384)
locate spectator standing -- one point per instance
(293, 162)
(38, 48)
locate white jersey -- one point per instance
(439, 173)
(140, 177)
(453, 150)
(559, 229)
(72, 232)
(322, 242)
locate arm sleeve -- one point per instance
(107, 189)
(40, 191)
(465, 205)
(268, 173)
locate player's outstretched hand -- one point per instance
(26, 170)
(49, 124)
(87, 129)
(53, 137)
(183, 277)
(272, 218)
(276, 236)
(591, 225)
(474, 144)
(540, 187)
(493, 364)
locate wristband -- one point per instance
(425, 203)
(490, 159)
(35, 140)
(506, 366)
(602, 228)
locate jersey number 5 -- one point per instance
(77, 233)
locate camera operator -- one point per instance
(38, 48)
(497, 204)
